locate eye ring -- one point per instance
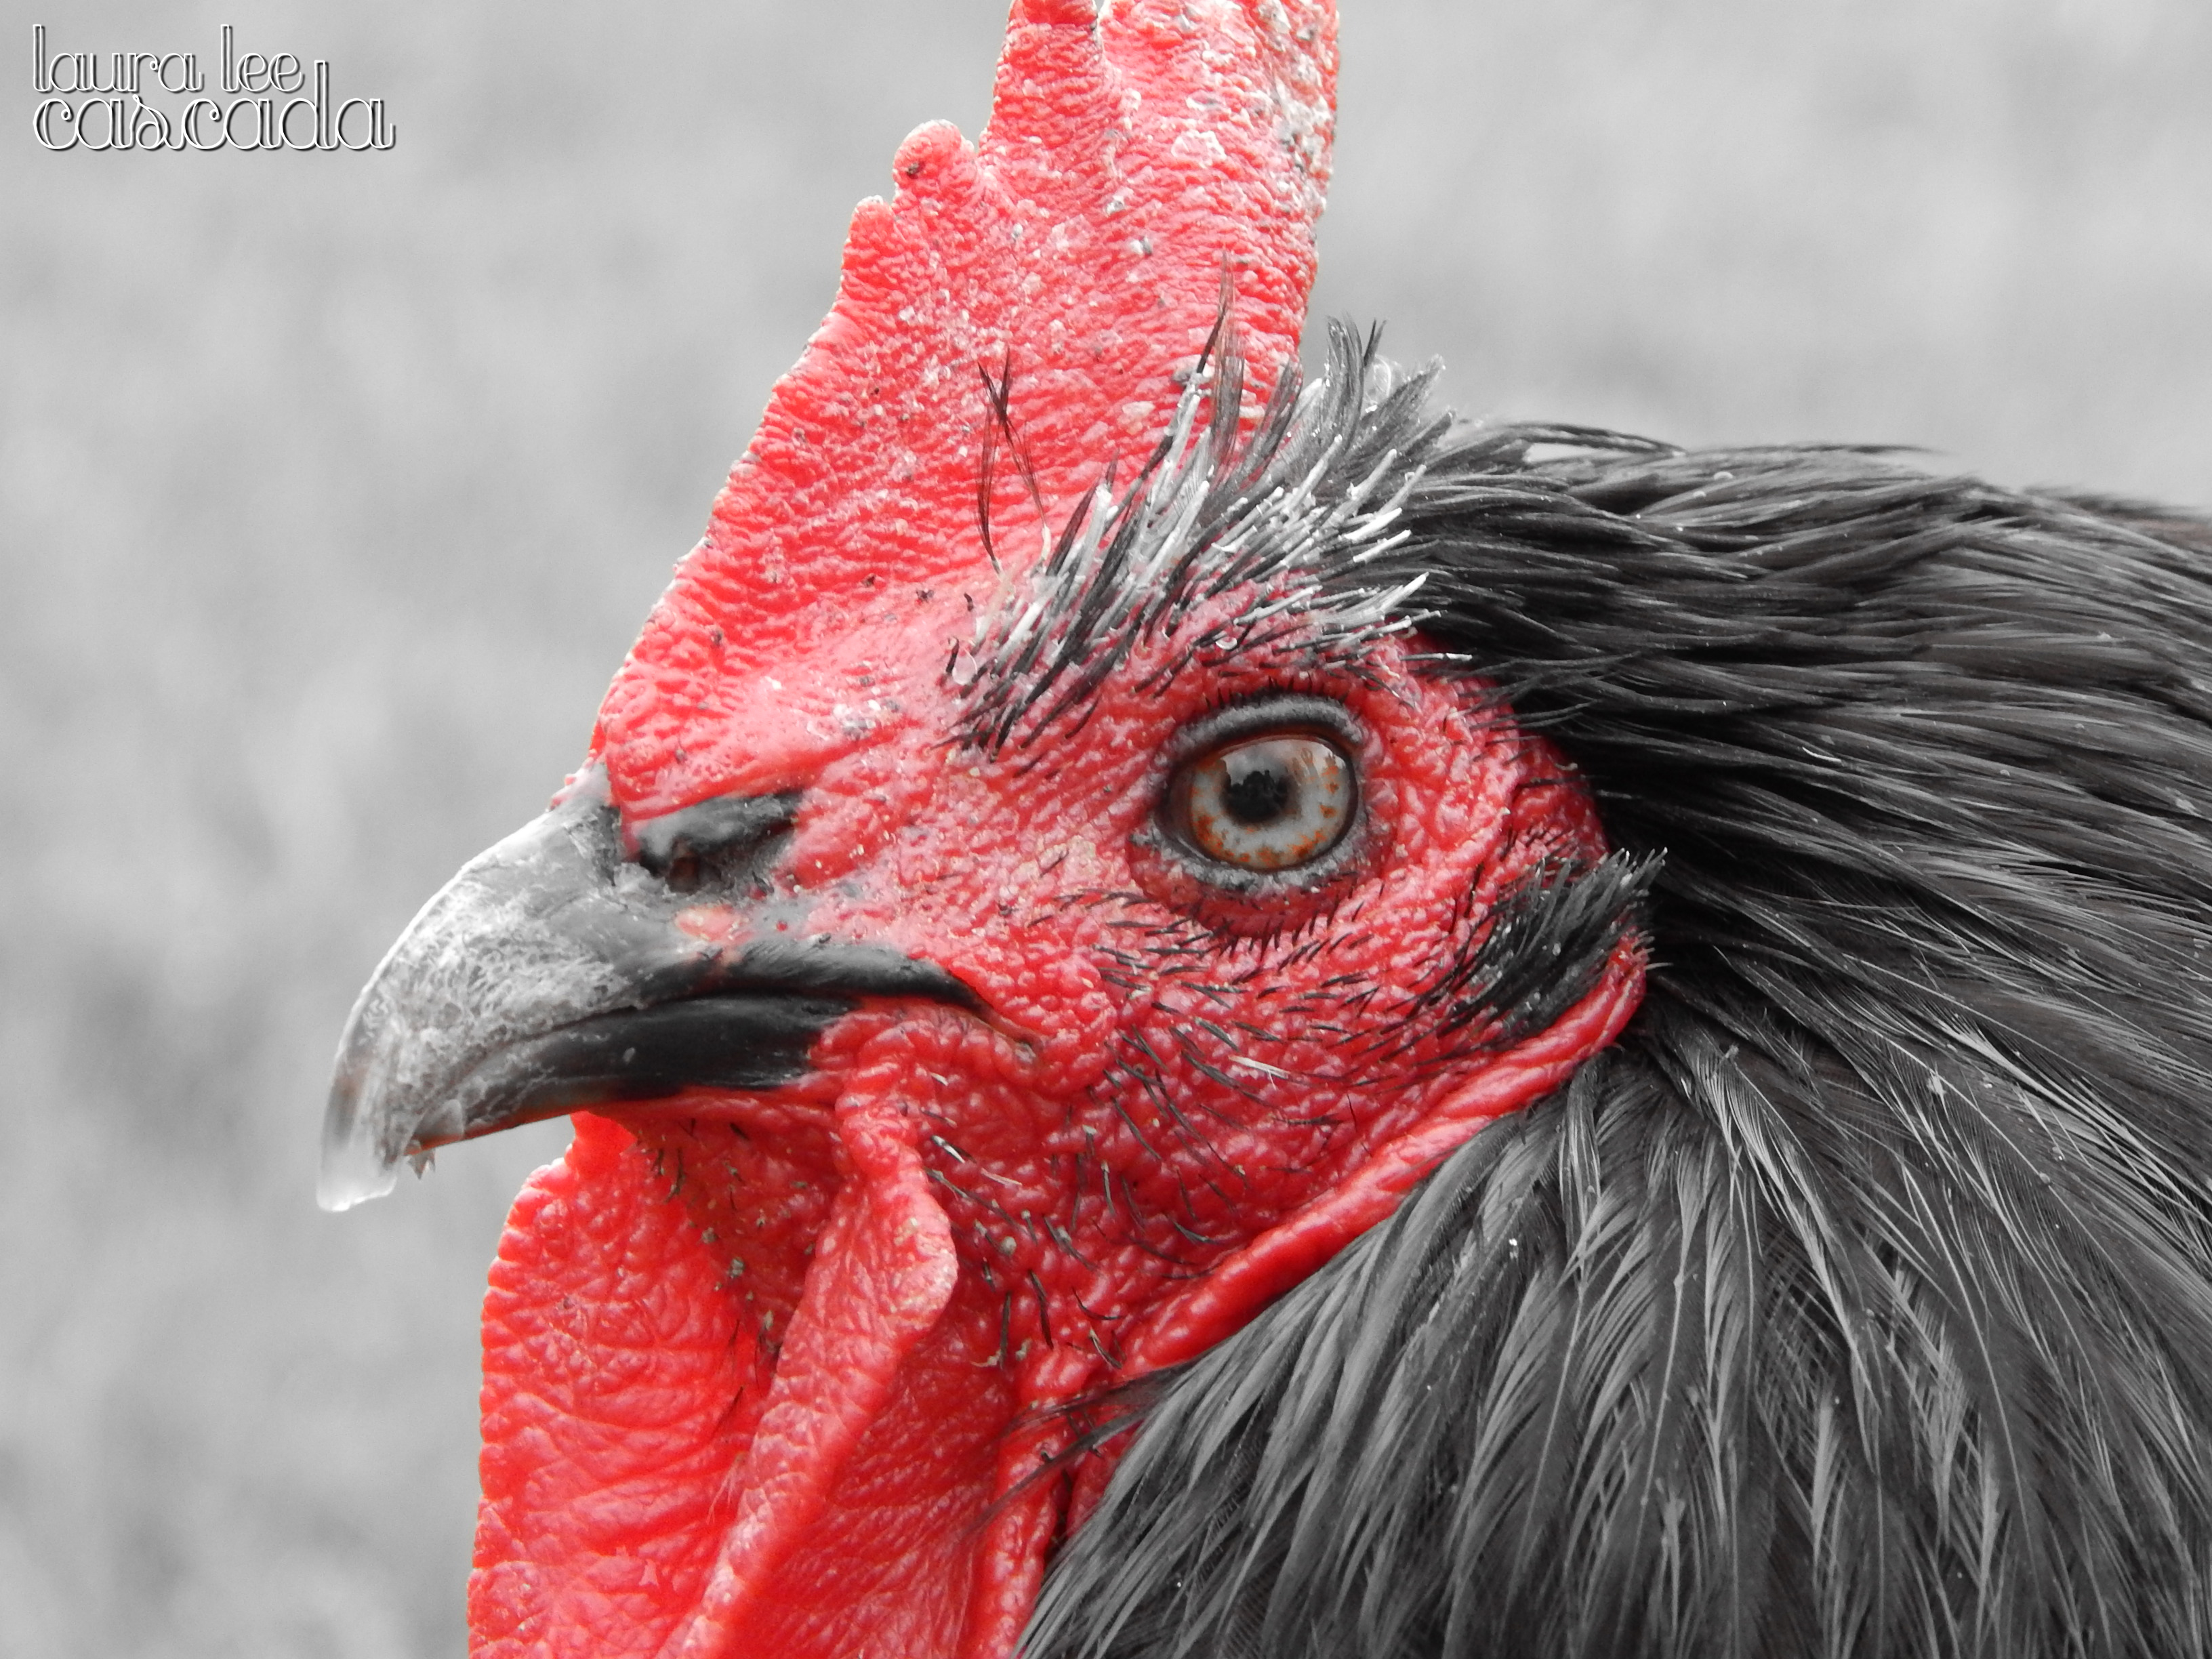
(1265, 804)
(1191, 868)
(1170, 866)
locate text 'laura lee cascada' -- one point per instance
(159, 100)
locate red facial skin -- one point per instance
(789, 1385)
(781, 1375)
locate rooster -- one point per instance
(1216, 1015)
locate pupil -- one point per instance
(1258, 792)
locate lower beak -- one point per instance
(551, 975)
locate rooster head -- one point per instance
(1032, 896)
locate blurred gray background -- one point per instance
(333, 489)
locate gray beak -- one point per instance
(550, 976)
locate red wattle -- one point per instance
(882, 1272)
(620, 1389)
(655, 1484)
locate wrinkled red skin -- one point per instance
(778, 1375)
(963, 1219)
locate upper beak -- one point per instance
(551, 975)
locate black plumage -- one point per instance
(1859, 1300)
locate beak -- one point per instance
(551, 975)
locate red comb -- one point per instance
(1072, 265)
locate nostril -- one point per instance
(717, 845)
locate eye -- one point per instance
(1270, 802)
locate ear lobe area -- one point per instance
(1240, 1287)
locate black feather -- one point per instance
(1859, 1300)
